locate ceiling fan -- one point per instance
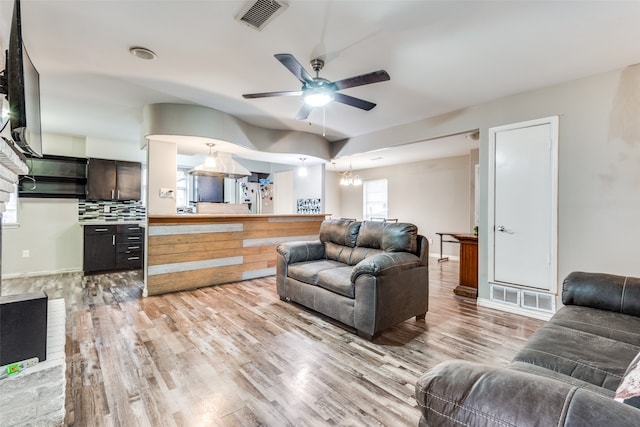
(317, 91)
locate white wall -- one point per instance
(433, 194)
(283, 183)
(50, 231)
(161, 174)
(332, 194)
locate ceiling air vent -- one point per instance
(259, 13)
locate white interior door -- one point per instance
(523, 204)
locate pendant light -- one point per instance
(210, 161)
(302, 170)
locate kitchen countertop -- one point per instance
(103, 222)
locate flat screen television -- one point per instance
(22, 88)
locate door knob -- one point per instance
(502, 229)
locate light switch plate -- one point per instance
(167, 193)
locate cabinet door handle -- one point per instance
(118, 194)
(133, 238)
(131, 258)
(99, 230)
(112, 193)
(133, 247)
(133, 229)
(113, 240)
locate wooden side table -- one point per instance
(468, 286)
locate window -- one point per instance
(375, 199)
(10, 215)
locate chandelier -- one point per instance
(348, 178)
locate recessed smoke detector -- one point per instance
(142, 53)
(257, 14)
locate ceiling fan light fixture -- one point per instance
(318, 97)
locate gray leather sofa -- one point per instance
(566, 375)
(368, 275)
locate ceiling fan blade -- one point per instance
(363, 79)
(354, 102)
(295, 67)
(304, 112)
(269, 94)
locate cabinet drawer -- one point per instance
(127, 260)
(99, 229)
(129, 248)
(131, 229)
(130, 239)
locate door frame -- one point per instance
(553, 121)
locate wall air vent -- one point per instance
(505, 295)
(259, 13)
(531, 300)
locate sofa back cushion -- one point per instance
(388, 236)
(339, 231)
(610, 292)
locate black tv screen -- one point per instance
(23, 91)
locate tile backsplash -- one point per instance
(131, 210)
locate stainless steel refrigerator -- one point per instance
(259, 197)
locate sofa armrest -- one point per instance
(423, 250)
(301, 251)
(465, 393)
(384, 263)
(602, 291)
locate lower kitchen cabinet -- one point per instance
(115, 247)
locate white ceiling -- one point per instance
(441, 56)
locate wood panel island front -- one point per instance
(192, 251)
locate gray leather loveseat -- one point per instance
(566, 375)
(368, 275)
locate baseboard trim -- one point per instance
(40, 273)
(514, 309)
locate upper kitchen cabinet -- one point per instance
(113, 180)
(54, 176)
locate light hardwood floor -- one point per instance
(235, 355)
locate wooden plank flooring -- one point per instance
(235, 355)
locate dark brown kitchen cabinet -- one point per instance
(113, 179)
(54, 176)
(110, 248)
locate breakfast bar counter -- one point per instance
(192, 251)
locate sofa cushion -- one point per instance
(548, 373)
(359, 254)
(597, 360)
(337, 280)
(388, 236)
(340, 231)
(629, 389)
(337, 252)
(307, 272)
(619, 294)
(608, 324)
(370, 235)
(400, 237)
